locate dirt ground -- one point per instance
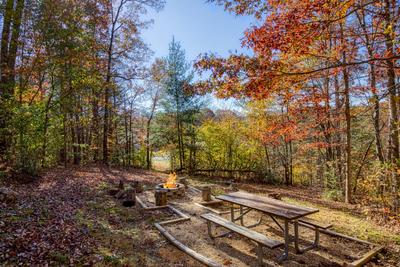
(68, 218)
(235, 250)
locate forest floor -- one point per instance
(67, 217)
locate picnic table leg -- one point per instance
(296, 239)
(260, 254)
(232, 213)
(277, 223)
(241, 215)
(285, 254)
(215, 236)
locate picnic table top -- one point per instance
(267, 205)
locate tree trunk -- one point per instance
(5, 43)
(393, 120)
(338, 137)
(148, 158)
(14, 42)
(7, 65)
(348, 180)
(45, 127)
(348, 197)
(376, 116)
(372, 81)
(107, 92)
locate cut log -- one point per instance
(366, 258)
(206, 193)
(130, 197)
(208, 262)
(161, 197)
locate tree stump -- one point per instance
(130, 199)
(206, 193)
(161, 197)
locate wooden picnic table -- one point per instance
(272, 207)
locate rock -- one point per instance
(137, 186)
(7, 195)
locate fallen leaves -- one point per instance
(46, 224)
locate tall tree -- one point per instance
(177, 99)
(9, 45)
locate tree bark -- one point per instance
(348, 178)
(107, 92)
(14, 42)
(393, 119)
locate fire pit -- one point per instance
(172, 188)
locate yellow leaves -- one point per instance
(389, 29)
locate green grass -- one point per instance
(351, 225)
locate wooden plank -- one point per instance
(259, 238)
(180, 213)
(315, 223)
(366, 258)
(187, 250)
(333, 233)
(194, 189)
(211, 203)
(175, 221)
(141, 203)
(211, 209)
(268, 205)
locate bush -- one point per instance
(27, 164)
(333, 194)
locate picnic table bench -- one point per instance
(260, 239)
(276, 209)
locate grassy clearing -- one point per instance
(161, 163)
(350, 224)
(344, 222)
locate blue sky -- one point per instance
(200, 27)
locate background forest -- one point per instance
(317, 101)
